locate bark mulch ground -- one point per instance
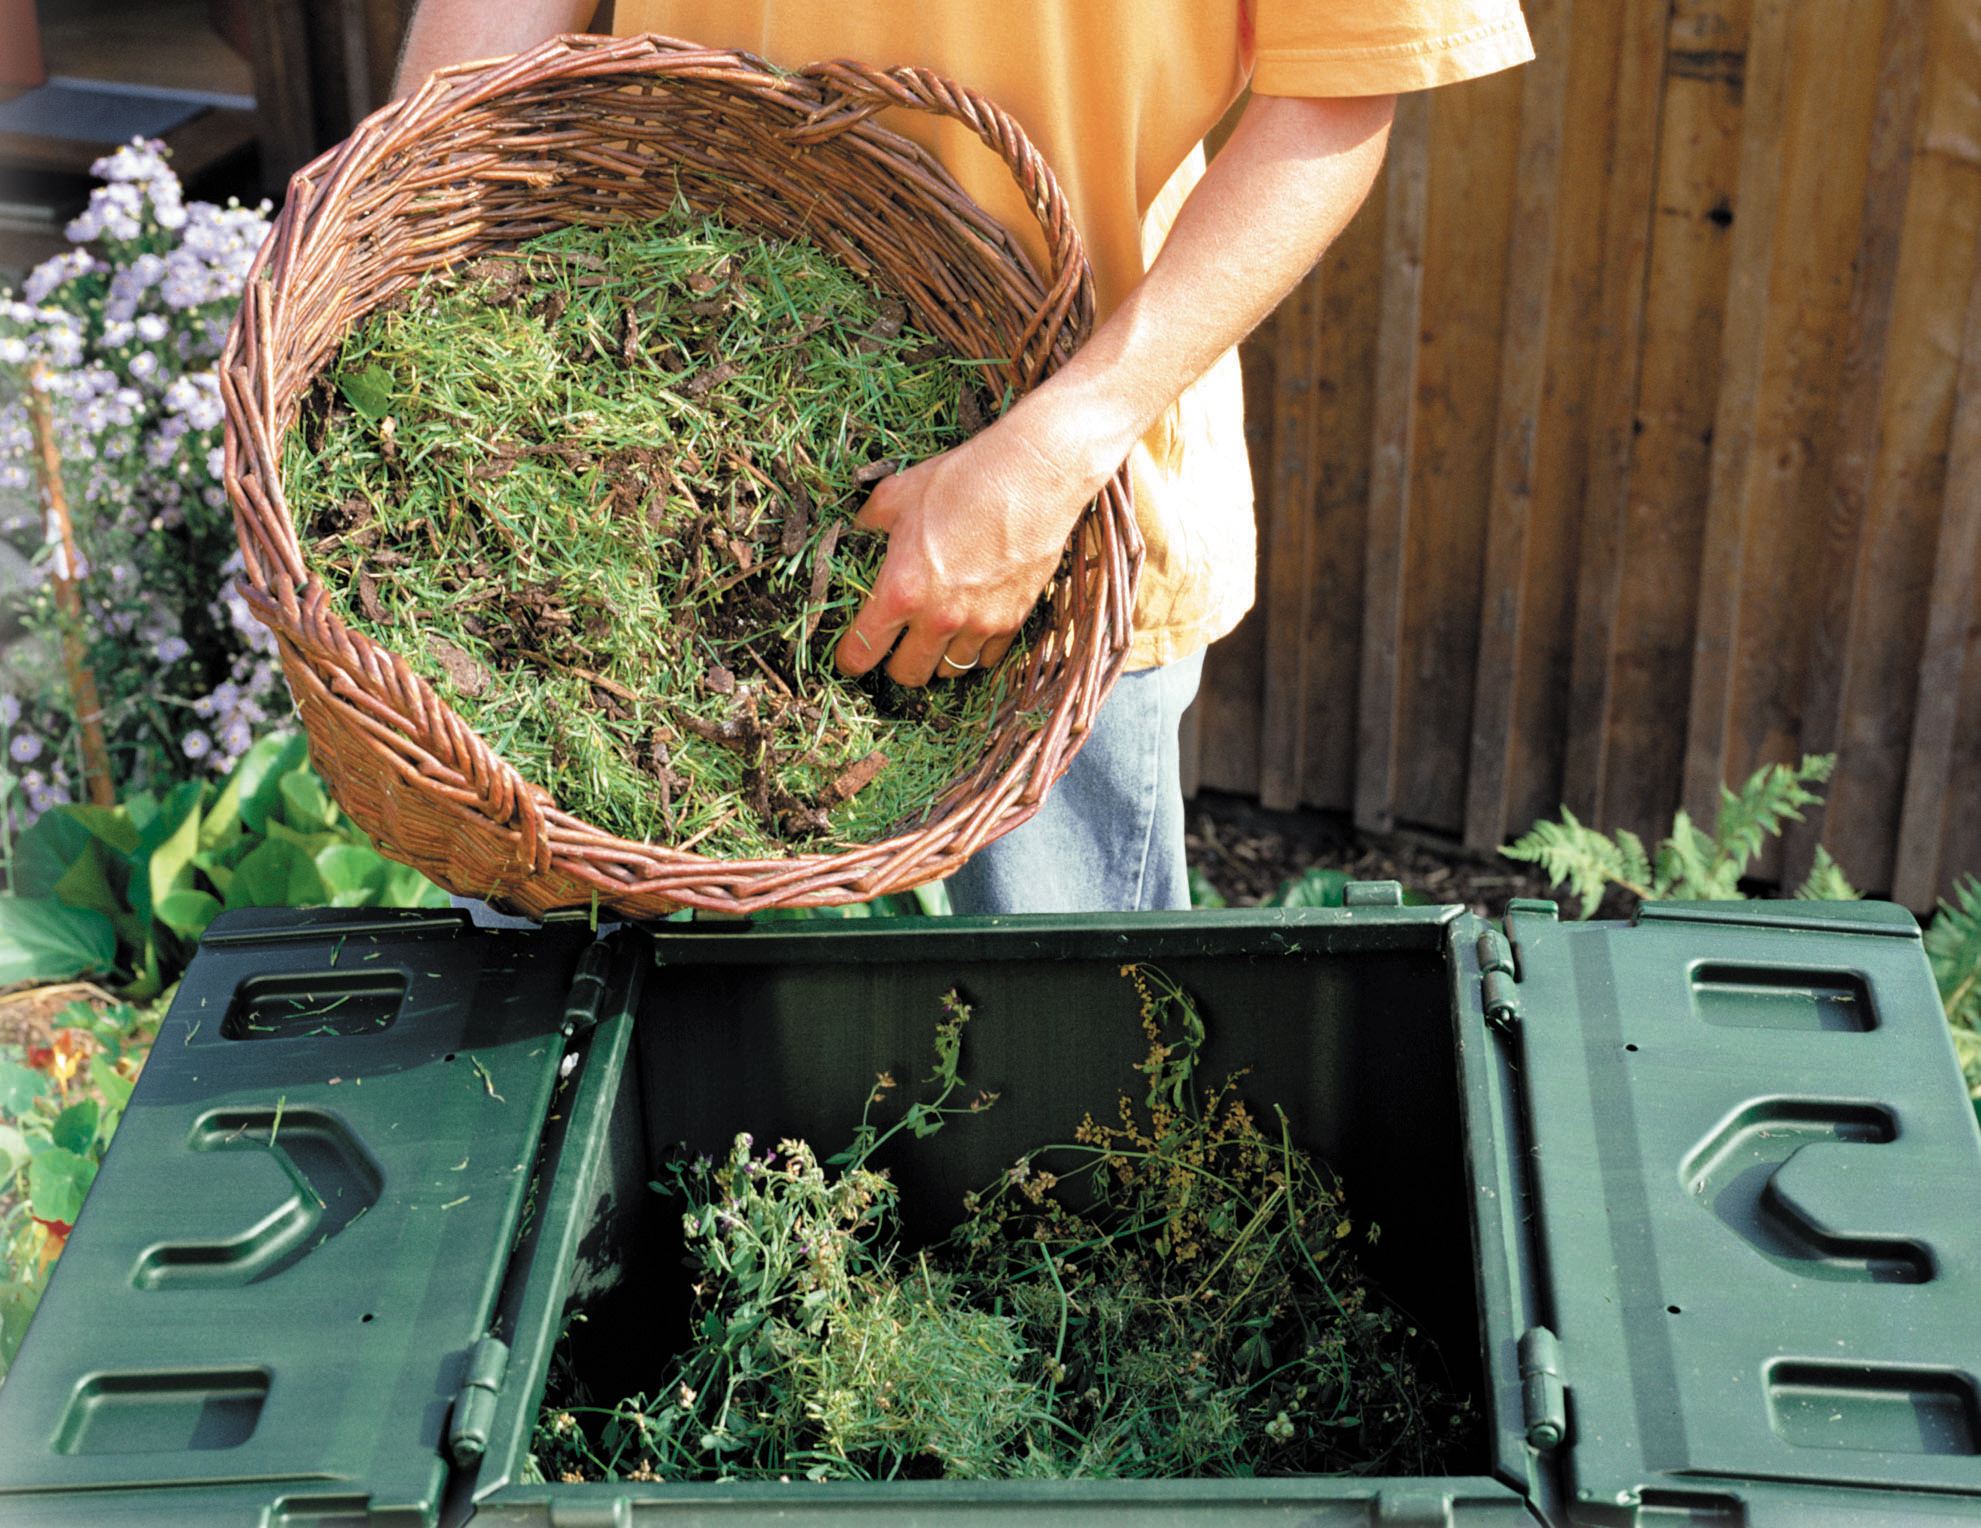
(1248, 852)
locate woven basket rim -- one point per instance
(382, 737)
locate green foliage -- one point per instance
(1953, 945)
(129, 889)
(58, 1113)
(1690, 865)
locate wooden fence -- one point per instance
(1631, 439)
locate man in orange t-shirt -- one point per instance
(1117, 96)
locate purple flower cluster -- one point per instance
(128, 325)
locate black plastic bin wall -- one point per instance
(1692, 1205)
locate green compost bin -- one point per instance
(1692, 1205)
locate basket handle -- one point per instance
(855, 92)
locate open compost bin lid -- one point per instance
(243, 1308)
(1759, 1189)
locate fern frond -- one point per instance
(1692, 867)
(1953, 945)
(1772, 795)
(1580, 858)
(1826, 881)
(1635, 863)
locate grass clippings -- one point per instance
(599, 492)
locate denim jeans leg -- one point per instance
(1109, 837)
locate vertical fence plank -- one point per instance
(1707, 98)
(1379, 695)
(1733, 484)
(1620, 331)
(1914, 265)
(1523, 372)
(1287, 534)
(1344, 405)
(1776, 428)
(1542, 454)
(1939, 775)
(1475, 141)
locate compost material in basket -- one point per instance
(599, 492)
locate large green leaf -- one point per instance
(57, 1183)
(169, 842)
(43, 941)
(187, 912)
(253, 787)
(351, 872)
(278, 874)
(306, 805)
(406, 887)
(47, 850)
(117, 826)
(312, 844)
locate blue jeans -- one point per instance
(1109, 837)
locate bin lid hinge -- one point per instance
(1498, 979)
(474, 1402)
(1543, 1397)
(587, 994)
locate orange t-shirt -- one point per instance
(1117, 96)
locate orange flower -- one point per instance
(72, 1048)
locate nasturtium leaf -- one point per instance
(14, 1151)
(111, 1083)
(75, 1127)
(57, 1183)
(20, 1086)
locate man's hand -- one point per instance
(975, 534)
(973, 537)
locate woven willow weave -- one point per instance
(599, 131)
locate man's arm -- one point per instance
(444, 32)
(975, 534)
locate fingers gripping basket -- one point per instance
(601, 131)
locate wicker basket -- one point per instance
(602, 131)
